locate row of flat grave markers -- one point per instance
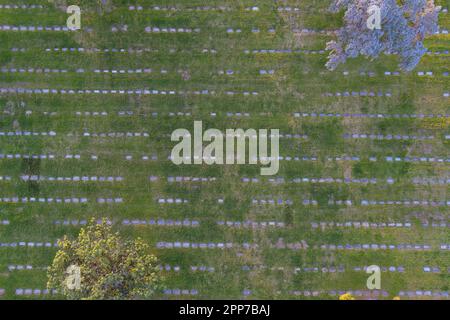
(281, 180)
(422, 293)
(202, 269)
(28, 112)
(49, 200)
(84, 134)
(296, 270)
(162, 222)
(111, 134)
(349, 202)
(203, 8)
(120, 50)
(286, 158)
(173, 50)
(255, 30)
(150, 29)
(273, 201)
(29, 244)
(19, 267)
(202, 50)
(356, 293)
(370, 293)
(251, 224)
(76, 222)
(92, 113)
(26, 133)
(174, 8)
(172, 201)
(385, 137)
(370, 115)
(429, 269)
(172, 30)
(436, 53)
(431, 181)
(416, 159)
(324, 269)
(363, 202)
(34, 292)
(185, 179)
(33, 28)
(395, 73)
(219, 8)
(15, 199)
(169, 268)
(164, 71)
(74, 178)
(144, 158)
(285, 51)
(406, 202)
(21, 6)
(357, 94)
(296, 246)
(399, 269)
(121, 91)
(277, 201)
(154, 114)
(191, 268)
(322, 51)
(228, 72)
(32, 70)
(436, 225)
(263, 114)
(374, 246)
(26, 156)
(178, 292)
(359, 224)
(81, 70)
(193, 245)
(271, 135)
(43, 156)
(247, 114)
(430, 73)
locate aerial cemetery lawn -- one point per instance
(85, 126)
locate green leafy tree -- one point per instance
(99, 264)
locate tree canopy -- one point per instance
(404, 25)
(99, 264)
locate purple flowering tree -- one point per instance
(404, 25)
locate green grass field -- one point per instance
(299, 84)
